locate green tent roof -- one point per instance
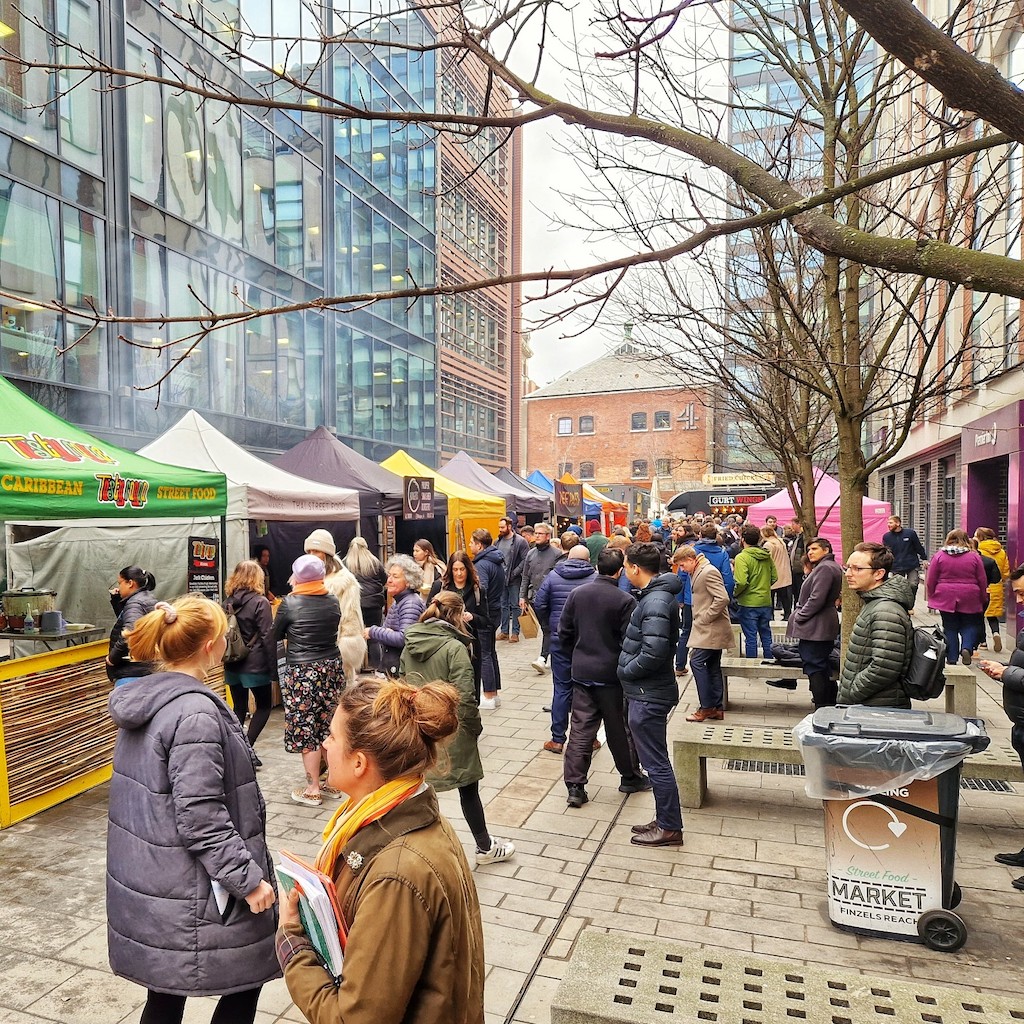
(50, 469)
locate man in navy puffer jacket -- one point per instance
(649, 683)
(565, 577)
(489, 563)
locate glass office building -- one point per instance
(149, 201)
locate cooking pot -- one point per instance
(22, 602)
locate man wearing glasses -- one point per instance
(882, 639)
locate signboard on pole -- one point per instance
(568, 500)
(418, 497)
(204, 567)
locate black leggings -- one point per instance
(260, 717)
(473, 812)
(237, 1008)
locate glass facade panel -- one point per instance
(224, 170)
(184, 157)
(145, 127)
(84, 259)
(78, 100)
(258, 189)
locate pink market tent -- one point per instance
(826, 511)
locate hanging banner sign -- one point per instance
(204, 567)
(568, 500)
(418, 497)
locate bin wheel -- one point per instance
(955, 896)
(942, 930)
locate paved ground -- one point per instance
(750, 877)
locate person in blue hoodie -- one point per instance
(490, 569)
(565, 577)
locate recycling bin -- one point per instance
(889, 780)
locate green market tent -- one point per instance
(51, 470)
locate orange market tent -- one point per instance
(468, 510)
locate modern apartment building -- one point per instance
(148, 201)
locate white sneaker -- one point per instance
(490, 703)
(501, 849)
(540, 666)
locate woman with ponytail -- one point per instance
(402, 878)
(131, 597)
(190, 899)
(436, 648)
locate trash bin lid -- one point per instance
(862, 722)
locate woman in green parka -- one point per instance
(437, 648)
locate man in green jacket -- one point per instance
(883, 637)
(755, 573)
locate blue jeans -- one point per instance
(707, 674)
(561, 686)
(489, 671)
(648, 725)
(685, 625)
(756, 622)
(509, 621)
(961, 633)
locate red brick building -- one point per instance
(619, 420)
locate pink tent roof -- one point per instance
(826, 511)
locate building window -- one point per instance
(564, 467)
(639, 469)
(586, 471)
(663, 467)
(586, 424)
(663, 420)
(564, 425)
(638, 421)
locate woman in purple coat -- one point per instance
(957, 588)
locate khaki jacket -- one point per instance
(712, 629)
(780, 556)
(415, 952)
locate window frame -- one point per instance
(587, 476)
(643, 463)
(632, 420)
(560, 420)
(579, 425)
(667, 413)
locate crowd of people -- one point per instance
(387, 670)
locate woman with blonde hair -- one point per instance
(345, 587)
(246, 598)
(402, 877)
(190, 896)
(431, 566)
(372, 579)
(437, 647)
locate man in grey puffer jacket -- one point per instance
(883, 636)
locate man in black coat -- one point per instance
(1012, 678)
(514, 550)
(646, 671)
(490, 570)
(591, 628)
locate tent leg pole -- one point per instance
(222, 576)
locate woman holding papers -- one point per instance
(403, 881)
(190, 905)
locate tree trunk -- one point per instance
(852, 491)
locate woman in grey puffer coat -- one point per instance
(190, 895)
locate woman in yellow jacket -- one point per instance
(989, 545)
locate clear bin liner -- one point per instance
(845, 767)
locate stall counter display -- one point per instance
(56, 737)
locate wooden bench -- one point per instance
(961, 691)
(774, 744)
(628, 979)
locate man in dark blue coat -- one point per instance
(591, 629)
(548, 604)
(490, 569)
(648, 680)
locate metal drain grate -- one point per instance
(987, 785)
(765, 767)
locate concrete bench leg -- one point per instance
(962, 699)
(725, 690)
(691, 770)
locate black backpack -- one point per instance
(926, 674)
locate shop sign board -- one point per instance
(996, 433)
(418, 497)
(204, 567)
(568, 500)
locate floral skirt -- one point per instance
(310, 691)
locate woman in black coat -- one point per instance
(131, 597)
(460, 578)
(256, 672)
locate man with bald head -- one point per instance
(563, 579)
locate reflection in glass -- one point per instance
(224, 169)
(260, 361)
(189, 382)
(362, 385)
(83, 259)
(148, 300)
(145, 127)
(85, 360)
(226, 361)
(258, 189)
(185, 157)
(78, 100)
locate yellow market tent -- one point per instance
(468, 510)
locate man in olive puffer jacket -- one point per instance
(882, 639)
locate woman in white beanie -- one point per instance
(345, 587)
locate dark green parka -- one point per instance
(880, 648)
(435, 650)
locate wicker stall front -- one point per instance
(56, 738)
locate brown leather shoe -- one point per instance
(644, 828)
(706, 715)
(552, 747)
(513, 638)
(658, 837)
(501, 636)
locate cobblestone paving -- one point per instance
(750, 877)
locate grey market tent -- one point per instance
(464, 470)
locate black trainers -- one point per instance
(639, 784)
(577, 796)
(1018, 883)
(1013, 860)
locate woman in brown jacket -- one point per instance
(403, 880)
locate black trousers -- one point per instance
(237, 1008)
(590, 706)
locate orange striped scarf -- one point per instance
(352, 816)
